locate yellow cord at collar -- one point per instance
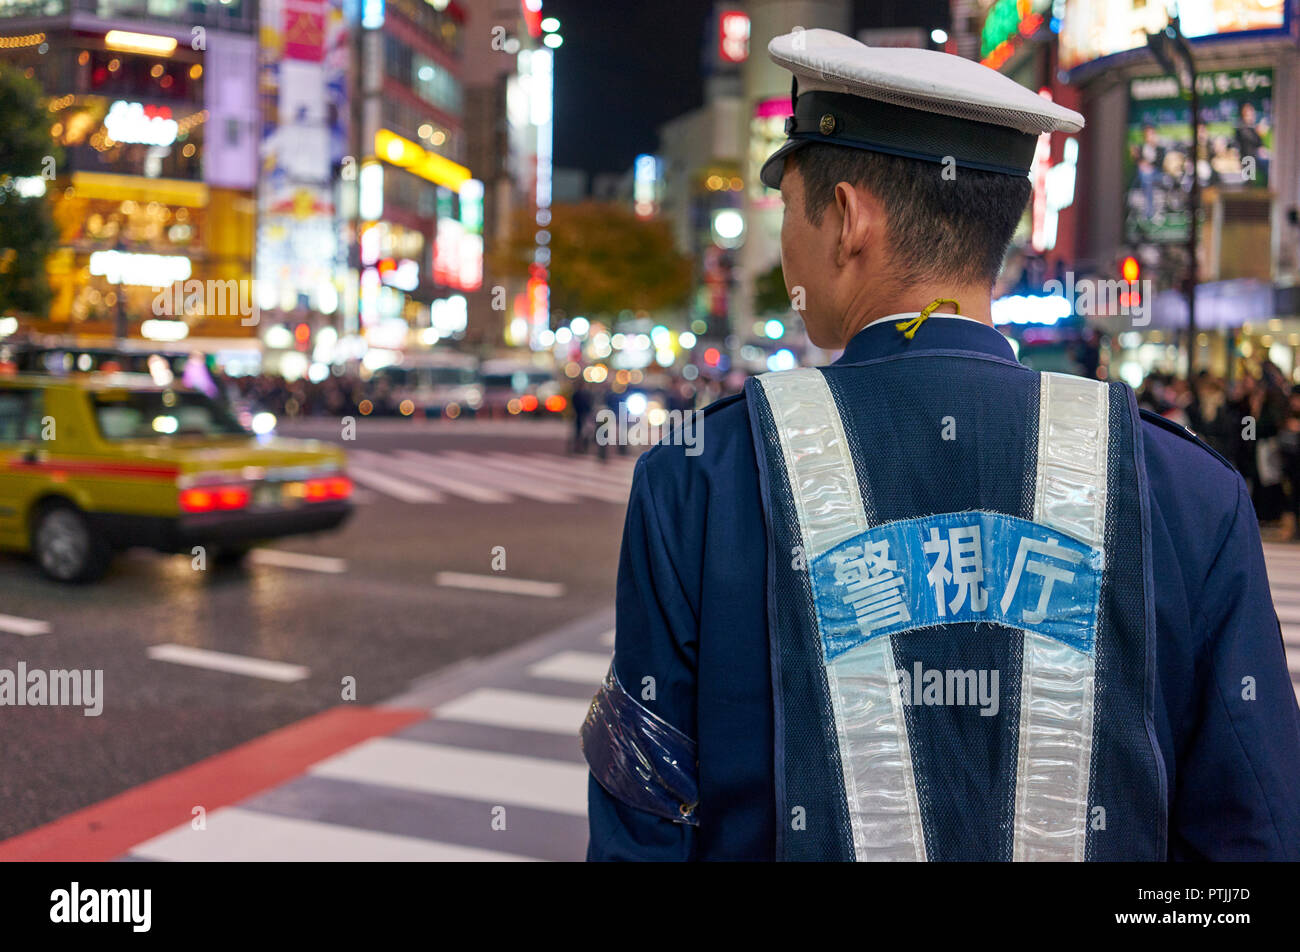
(910, 326)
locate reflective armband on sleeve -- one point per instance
(638, 757)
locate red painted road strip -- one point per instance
(110, 829)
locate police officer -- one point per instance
(925, 603)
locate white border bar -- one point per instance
(1057, 682)
(879, 785)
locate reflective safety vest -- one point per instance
(960, 612)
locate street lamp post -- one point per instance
(1161, 44)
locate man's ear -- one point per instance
(855, 222)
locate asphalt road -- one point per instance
(368, 604)
(381, 604)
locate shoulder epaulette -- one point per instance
(1164, 423)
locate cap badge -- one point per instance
(827, 125)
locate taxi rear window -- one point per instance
(148, 414)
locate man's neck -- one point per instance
(973, 301)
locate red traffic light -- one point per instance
(1130, 269)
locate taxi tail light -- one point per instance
(214, 498)
(326, 488)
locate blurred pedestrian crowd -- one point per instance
(1253, 421)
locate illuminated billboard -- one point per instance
(1091, 29)
(1236, 118)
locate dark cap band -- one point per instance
(858, 123)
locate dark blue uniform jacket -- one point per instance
(692, 614)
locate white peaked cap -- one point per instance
(917, 103)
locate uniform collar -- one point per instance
(939, 332)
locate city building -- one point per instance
(304, 75)
(155, 107)
(510, 133)
(419, 209)
(701, 186)
(1020, 40)
(1136, 166)
(765, 104)
(1112, 206)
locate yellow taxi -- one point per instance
(92, 465)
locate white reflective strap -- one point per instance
(818, 463)
(1057, 681)
(879, 786)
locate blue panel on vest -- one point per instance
(957, 567)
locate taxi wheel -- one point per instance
(231, 555)
(66, 545)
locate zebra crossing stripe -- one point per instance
(518, 709)
(420, 471)
(476, 469)
(581, 667)
(460, 772)
(400, 488)
(614, 475)
(570, 480)
(233, 834)
(492, 477)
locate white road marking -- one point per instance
(392, 486)
(569, 481)
(479, 468)
(233, 834)
(498, 583)
(460, 772)
(585, 469)
(299, 560)
(581, 667)
(420, 471)
(229, 663)
(27, 627)
(517, 709)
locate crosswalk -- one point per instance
(1283, 563)
(494, 773)
(495, 477)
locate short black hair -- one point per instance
(944, 222)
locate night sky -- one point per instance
(628, 66)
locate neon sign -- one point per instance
(1006, 26)
(138, 123)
